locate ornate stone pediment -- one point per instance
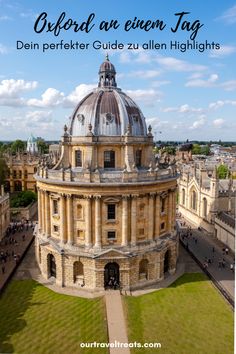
(111, 200)
(111, 254)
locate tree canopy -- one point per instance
(222, 171)
(200, 150)
(3, 170)
(17, 145)
(23, 199)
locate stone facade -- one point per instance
(202, 195)
(21, 170)
(106, 209)
(225, 229)
(4, 212)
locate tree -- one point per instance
(17, 145)
(43, 147)
(222, 171)
(196, 150)
(3, 170)
(170, 150)
(23, 199)
(205, 150)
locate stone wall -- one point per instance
(17, 214)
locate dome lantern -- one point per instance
(107, 74)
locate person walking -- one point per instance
(3, 269)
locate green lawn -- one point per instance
(189, 317)
(35, 320)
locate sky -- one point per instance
(183, 95)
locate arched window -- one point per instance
(78, 158)
(204, 207)
(194, 200)
(79, 211)
(163, 204)
(143, 269)
(51, 266)
(183, 196)
(138, 158)
(17, 186)
(78, 272)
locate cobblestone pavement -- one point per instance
(20, 241)
(205, 247)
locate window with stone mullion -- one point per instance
(111, 211)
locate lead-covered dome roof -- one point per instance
(107, 110)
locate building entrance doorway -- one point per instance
(111, 276)
(52, 266)
(166, 261)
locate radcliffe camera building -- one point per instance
(106, 208)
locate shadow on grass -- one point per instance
(14, 302)
(188, 278)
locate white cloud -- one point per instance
(144, 74)
(210, 82)
(220, 103)
(78, 94)
(37, 122)
(3, 49)
(50, 98)
(173, 64)
(229, 85)
(185, 108)
(229, 16)
(41, 120)
(198, 123)
(5, 18)
(12, 88)
(166, 63)
(159, 83)
(195, 76)
(224, 51)
(218, 123)
(10, 91)
(147, 97)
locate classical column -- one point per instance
(39, 210)
(174, 209)
(157, 216)
(133, 219)
(70, 218)
(43, 210)
(151, 215)
(170, 207)
(98, 236)
(47, 215)
(88, 230)
(63, 233)
(124, 220)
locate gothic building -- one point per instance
(4, 212)
(202, 195)
(106, 208)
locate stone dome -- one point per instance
(107, 111)
(107, 66)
